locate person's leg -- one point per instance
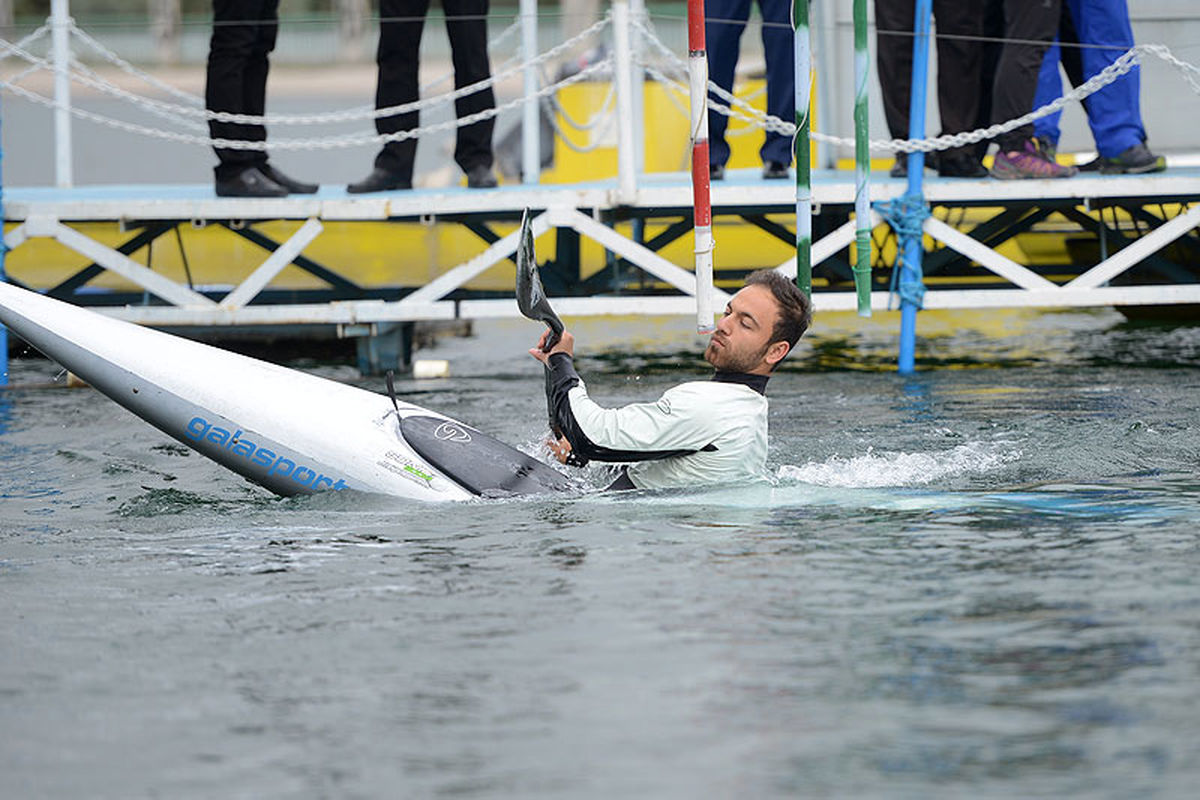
(960, 65)
(1049, 89)
(1114, 112)
(893, 60)
(236, 78)
(723, 25)
(780, 55)
(993, 30)
(466, 24)
(1029, 27)
(400, 27)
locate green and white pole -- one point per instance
(802, 50)
(862, 164)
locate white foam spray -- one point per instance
(879, 469)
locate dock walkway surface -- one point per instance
(1144, 244)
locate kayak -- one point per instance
(288, 431)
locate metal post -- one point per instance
(701, 201)
(531, 157)
(60, 28)
(637, 9)
(623, 72)
(803, 60)
(862, 163)
(913, 248)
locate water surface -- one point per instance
(977, 581)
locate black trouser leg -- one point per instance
(400, 27)
(236, 80)
(1032, 26)
(466, 24)
(893, 48)
(960, 62)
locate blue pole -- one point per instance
(913, 247)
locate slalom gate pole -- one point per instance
(862, 163)
(909, 284)
(802, 49)
(701, 200)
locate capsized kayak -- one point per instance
(288, 431)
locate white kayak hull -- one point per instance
(288, 431)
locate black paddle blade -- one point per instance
(531, 297)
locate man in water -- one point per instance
(700, 432)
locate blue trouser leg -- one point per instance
(1114, 113)
(779, 53)
(1049, 89)
(724, 21)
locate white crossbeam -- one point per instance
(633, 252)
(283, 255)
(1131, 254)
(829, 244)
(368, 311)
(986, 256)
(450, 280)
(123, 265)
(16, 237)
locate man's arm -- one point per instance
(641, 435)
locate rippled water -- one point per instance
(971, 582)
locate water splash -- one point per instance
(878, 469)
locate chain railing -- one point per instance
(658, 62)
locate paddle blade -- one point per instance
(531, 297)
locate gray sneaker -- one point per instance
(1136, 160)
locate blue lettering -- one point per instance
(201, 429)
(196, 428)
(218, 435)
(277, 467)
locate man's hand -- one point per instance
(566, 344)
(561, 449)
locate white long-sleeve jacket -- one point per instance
(700, 432)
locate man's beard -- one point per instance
(723, 360)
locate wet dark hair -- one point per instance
(795, 309)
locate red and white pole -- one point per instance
(701, 201)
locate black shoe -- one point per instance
(380, 180)
(481, 177)
(291, 184)
(960, 165)
(250, 182)
(773, 170)
(716, 172)
(900, 167)
(1136, 160)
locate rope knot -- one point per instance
(906, 214)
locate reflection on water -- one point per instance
(967, 582)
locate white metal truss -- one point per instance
(50, 213)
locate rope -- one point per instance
(906, 214)
(353, 115)
(734, 107)
(330, 143)
(753, 116)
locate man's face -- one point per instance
(742, 340)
